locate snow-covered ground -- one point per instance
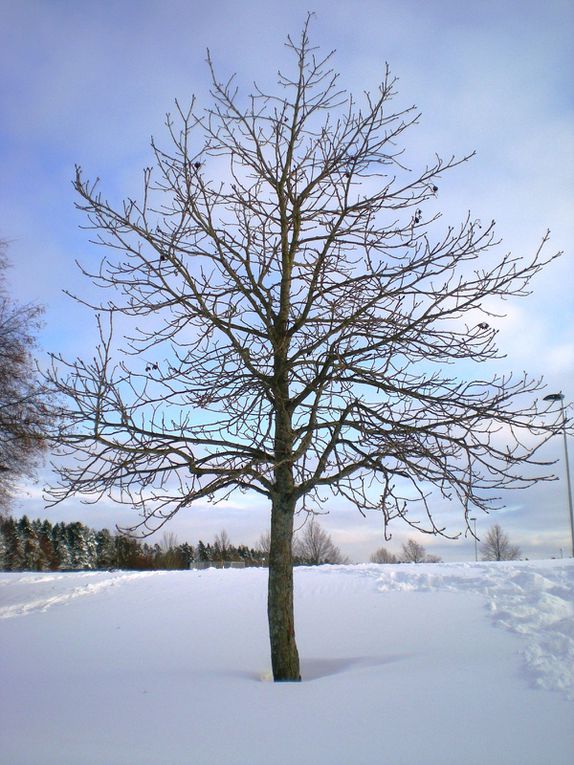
(403, 665)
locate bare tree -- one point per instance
(168, 541)
(221, 545)
(25, 407)
(382, 555)
(287, 321)
(497, 546)
(168, 546)
(264, 543)
(413, 552)
(313, 546)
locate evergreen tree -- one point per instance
(43, 555)
(105, 550)
(37, 545)
(62, 552)
(14, 549)
(128, 555)
(2, 546)
(200, 553)
(82, 545)
(32, 553)
(186, 553)
(45, 539)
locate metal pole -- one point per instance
(475, 541)
(568, 481)
(560, 397)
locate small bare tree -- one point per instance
(168, 546)
(412, 552)
(26, 409)
(382, 555)
(313, 546)
(497, 546)
(221, 546)
(302, 306)
(264, 544)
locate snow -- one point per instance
(432, 663)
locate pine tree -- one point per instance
(82, 544)
(201, 552)
(128, 552)
(186, 553)
(62, 552)
(43, 555)
(105, 550)
(14, 549)
(2, 546)
(45, 539)
(32, 553)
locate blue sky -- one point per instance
(89, 83)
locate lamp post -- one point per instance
(475, 540)
(560, 397)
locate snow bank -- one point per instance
(441, 663)
(534, 600)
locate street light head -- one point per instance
(553, 397)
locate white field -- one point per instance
(403, 665)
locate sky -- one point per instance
(89, 84)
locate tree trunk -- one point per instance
(284, 654)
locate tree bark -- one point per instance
(280, 612)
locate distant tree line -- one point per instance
(39, 545)
(496, 546)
